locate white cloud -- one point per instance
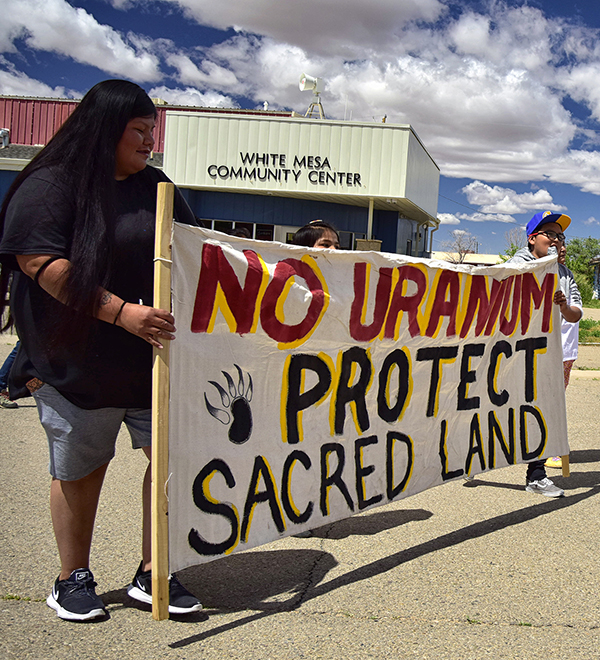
(14, 83)
(591, 221)
(57, 27)
(448, 219)
(193, 97)
(325, 27)
(484, 89)
(209, 74)
(486, 217)
(507, 201)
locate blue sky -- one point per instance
(505, 95)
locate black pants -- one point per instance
(536, 470)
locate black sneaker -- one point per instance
(181, 601)
(75, 599)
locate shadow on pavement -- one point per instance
(476, 483)
(585, 456)
(369, 525)
(285, 571)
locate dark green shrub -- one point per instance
(585, 288)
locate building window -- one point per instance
(264, 232)
(222, 225)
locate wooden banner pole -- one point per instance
(160, 408)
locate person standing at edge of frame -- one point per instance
(77, 231)
(546, 230)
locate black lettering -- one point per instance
(334, 479)
(530, 346)
(391, 490)
(396, 358)
(444, 454)
(436, 355)
(353, 394)
(495, 431)
(467, 376)
(196, 541)
(254, 497)
(297, 400)
(500, 348)
(286, 489)
(524, 433)
(363, 471)
(475, 444)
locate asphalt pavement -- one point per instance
(461, 571)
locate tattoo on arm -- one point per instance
(105, 299)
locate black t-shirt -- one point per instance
(110, 367)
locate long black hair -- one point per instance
(312, 232)
(83, 152)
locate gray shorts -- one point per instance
(80, 441)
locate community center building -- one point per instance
(271, 172)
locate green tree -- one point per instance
(579, 253)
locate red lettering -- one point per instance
(448, 283)
(358, 330)
(216, 271)
(479, 300)
(532, 292)
(276, 329)
(508, 327)
(409, 304)
(497, 302)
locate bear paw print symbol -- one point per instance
(235, 402)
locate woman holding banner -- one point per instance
(77, 232)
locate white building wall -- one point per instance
(300, 157)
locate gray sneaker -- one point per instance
(6, 401)
(544, 487)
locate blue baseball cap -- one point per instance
(544, 217)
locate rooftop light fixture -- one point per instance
(314, 85)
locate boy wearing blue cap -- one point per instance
(545, 231)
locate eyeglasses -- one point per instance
(552, 235)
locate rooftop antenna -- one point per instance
(315, 85)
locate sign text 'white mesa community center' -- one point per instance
(309, 385)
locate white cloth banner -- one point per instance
(308, 385)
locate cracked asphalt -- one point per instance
(465, 570)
